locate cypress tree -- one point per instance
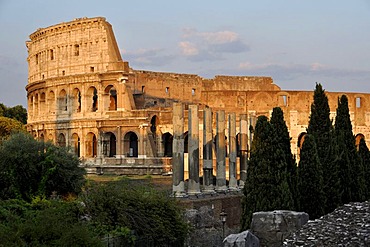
(350, 167)
(266, 187)
(258, 185)
(310, 180)
(364, 153)
(321, 128)
(320, 125)
(288, 171)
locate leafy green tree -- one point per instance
(266, 187)
(135, 211)
(17, 112)
(310, 180)
(9, 126)
(321, 128)
(351, 174)
(30, 168)
(289, 172)
(364, 153)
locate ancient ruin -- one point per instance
(81, 93)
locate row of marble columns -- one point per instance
(194, 186)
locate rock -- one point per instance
(243, 239)
(273, 227)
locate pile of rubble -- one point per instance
(348, 225)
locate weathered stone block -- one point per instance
(273, 227)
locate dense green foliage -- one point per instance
(267, 185)
(17, 112)
(364, 153)
(321, 129)
(9, 126)
(139, 208)
(44, 223)
(30, 168)
(351, 173)
(311, 197)
(283, 141)
(124, 210)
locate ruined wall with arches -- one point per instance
(82, 94)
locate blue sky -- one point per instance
(296, 42)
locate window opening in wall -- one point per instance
(51, 54)
(43, 77)
(283, 99)
(37, 58)
(167, 89)
(92, 69)
(95, 100)
(193, 91)
(77, 50)
(358, 102)
(143, 89)
(63, 72)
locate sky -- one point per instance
(296, 42)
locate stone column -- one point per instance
(233, 183)
(243, 149)
(220, 152)
(207, 151)
(178, 186)
(119, 143)
(193, 150)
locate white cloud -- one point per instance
(188, 48)
(201, 46)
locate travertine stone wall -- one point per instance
(82, 93)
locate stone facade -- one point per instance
(82, 94)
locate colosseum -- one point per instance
(117, 119)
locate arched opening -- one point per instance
(42, 102)
(61, 140)
(51, 102)
(30, 105)
(62, 101)
(109, 144)
(76, 100)
(42, 138)
(154, 124)
(76, 144)
(358, 139)
(36, 105)
(167, 143)
(111, 94)
(300, 142)
(131, 144)
(92, 102)
(91, 145)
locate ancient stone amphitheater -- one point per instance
(82, 94)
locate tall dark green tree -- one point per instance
(364, 153)
(310, 180)
(266, 187)
(289, 172)
(321, 128)
(351, 174)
